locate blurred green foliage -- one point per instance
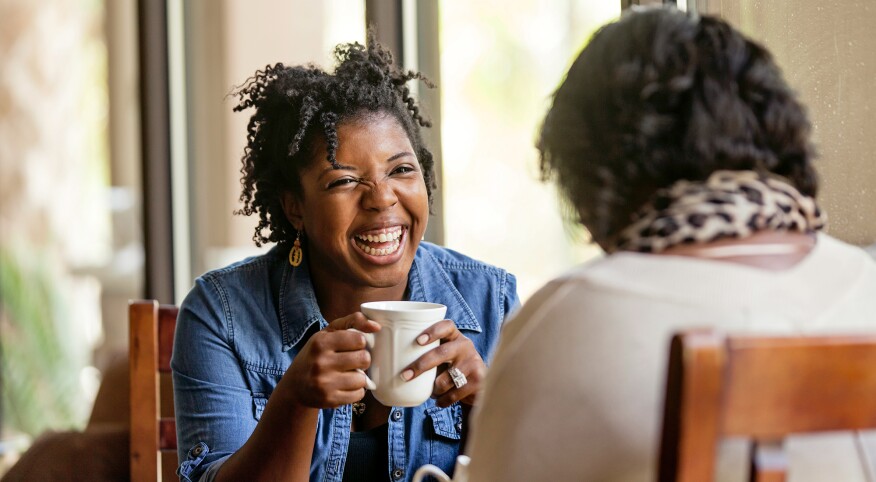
(40, 382)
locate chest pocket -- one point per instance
(262, 382)
(446, 428)
(446, 422)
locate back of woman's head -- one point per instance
(661, 96)
(297, 112)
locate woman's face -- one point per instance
(364, 221)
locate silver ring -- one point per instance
(457, 376)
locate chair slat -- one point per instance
(167, 434)
(144, 390)
(777, 386)
(764, 388)
(166, 327)
(152, 328)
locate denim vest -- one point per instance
(240, 327)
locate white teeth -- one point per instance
(381, 237)
(379, 252)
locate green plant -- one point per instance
(40, 373)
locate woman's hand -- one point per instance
(455, 351)
(325, 373)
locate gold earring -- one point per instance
(295, 254)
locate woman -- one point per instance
(688, 159)
(266, 375)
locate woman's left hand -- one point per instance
(455, 351)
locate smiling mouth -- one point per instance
(380, 242)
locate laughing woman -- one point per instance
(264, 368)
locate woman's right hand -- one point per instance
(325, 373)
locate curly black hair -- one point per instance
(297, 107)
(660, 96)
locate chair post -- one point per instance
(692, 408)
(769, 462)
(143, 337)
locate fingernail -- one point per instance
(422, 339)
(407, 374)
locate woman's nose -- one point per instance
(379, 196)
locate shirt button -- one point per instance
(396, 415)
(398, 474)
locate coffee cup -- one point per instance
(395, 347)
(460, 471)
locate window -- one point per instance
(498, 73)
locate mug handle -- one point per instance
(369, 341)
(430, 469)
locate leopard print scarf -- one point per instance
(729, 204)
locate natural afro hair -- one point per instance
(295, 107)
(661, 96)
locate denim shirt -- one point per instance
(240, 327)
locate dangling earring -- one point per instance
(295, 254)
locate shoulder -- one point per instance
(450, 259)
(454, 262)
(464, 272)
(242, 277)
(215, 292)
(247, 266)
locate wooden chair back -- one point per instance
(763, 388)
(151, 343)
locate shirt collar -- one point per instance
(427, 281)
(298, 307)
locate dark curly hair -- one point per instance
(295, 107)
(660, 96)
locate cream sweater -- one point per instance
(575, 391)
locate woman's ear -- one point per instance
(292, 209)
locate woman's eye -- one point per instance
(403, 170)
(341, 182)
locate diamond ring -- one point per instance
(457, 376)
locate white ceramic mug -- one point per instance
(395, 347)
(460, 472)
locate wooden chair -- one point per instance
(151, 342)
(763, 388)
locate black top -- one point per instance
(367, 456)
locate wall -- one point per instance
(227, 41)
(826, 49)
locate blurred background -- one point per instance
(119, 152)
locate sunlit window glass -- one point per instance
(500, 62)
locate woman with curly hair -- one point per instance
(687, 157)
(266, 374)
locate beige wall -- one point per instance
(828, 52)
(228, 40)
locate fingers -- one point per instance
(351, 360)
(348, 397)
(339, 351)
(444, 330)
(445, 390)
(456, 351)
(357, 321)
(338, 341)
(444, 353)
(339, 388)
(454, 347)
(337, 398)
